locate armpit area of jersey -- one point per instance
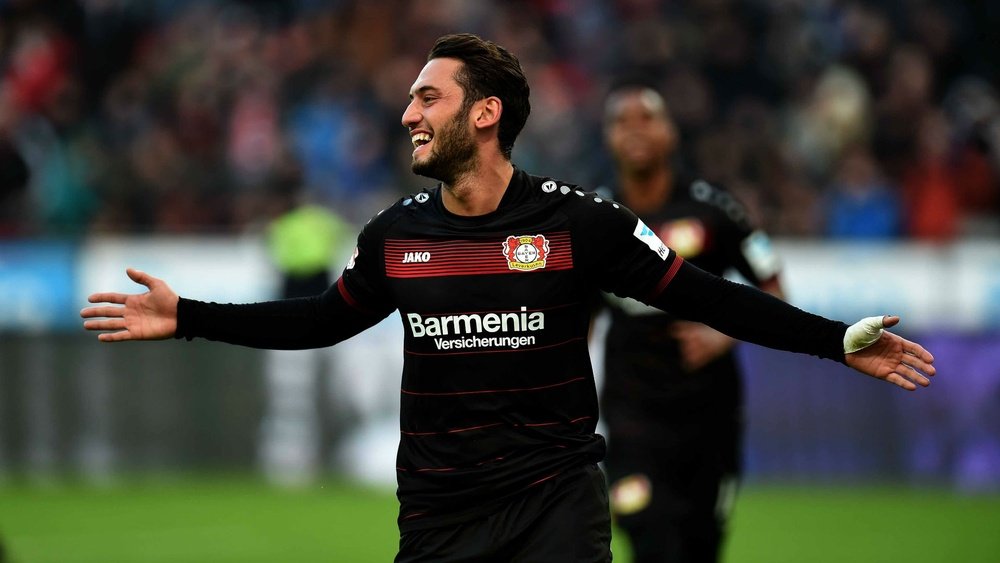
(751, 315)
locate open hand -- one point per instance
(144, 316)
(894, 359)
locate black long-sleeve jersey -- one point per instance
(711, 229)
(497, 389)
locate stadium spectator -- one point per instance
(144, 116)
(861, 204)
(931, 193)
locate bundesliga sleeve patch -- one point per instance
(649, 238)
(353, 259)
(760, 254)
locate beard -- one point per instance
(454, 152)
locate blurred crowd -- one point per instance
(829, 118)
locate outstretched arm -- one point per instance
(288, 324)
(701, 344)
(144, 316)
(751, 315)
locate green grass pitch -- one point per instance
(241, 520)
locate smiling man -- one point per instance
(498, 453)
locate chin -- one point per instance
(425, 169)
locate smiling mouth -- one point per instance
(420, 139)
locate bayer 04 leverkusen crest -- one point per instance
(526, 253)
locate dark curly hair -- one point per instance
(489, 70)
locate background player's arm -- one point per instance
(746, 249)
(700, 344)
(751, 315)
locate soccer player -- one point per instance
(493, 272)
(672, 394)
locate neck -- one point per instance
(478, 191)
(646, 191)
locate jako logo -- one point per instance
(414, 257)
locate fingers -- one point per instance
(114, 324)
(91, 312)
(114, 336)
(889, 320)
(907, 378)
(105, 324)
(915, 362)
(911, 373)
(112, 318)
(918, 351)
(118, 298)
(901, 381)
(917, 357)
(138, 276)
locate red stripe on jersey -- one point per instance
(667, 277)
(350, 300)
(543, 479)
(406, 258)
(415, 434)
(519, 390)
(533, 425)
(452, 431)
(347, 295)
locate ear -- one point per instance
(487, 112)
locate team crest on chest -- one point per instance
(526, 253)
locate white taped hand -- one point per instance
(863, 334)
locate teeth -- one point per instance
(420, 139)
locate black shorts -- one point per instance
(672, 495)
(563, 520)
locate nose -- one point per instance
(411, 117)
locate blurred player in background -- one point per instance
(303, 240)
(494, 272)
(672, 394)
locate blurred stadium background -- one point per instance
(168, 134)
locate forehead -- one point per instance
(438, 74)
(640, 100)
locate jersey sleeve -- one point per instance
(287, 324)
(363, 282)
(621, 253)
(628, 259)
(748, 249)
(755, 257)
(749, 314)
(356, 302)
